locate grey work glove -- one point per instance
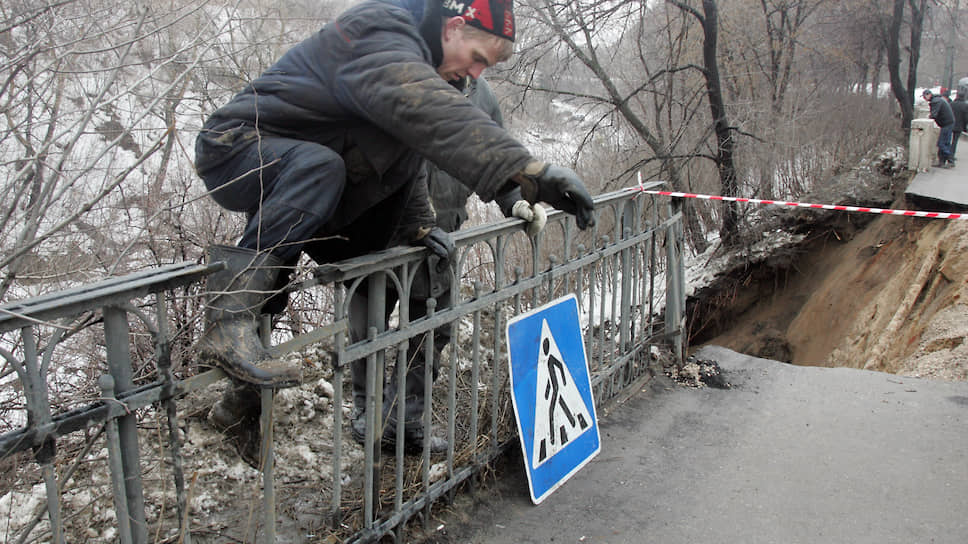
(441, 244)
(559, 186)
(534, 214)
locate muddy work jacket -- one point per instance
(365, 86)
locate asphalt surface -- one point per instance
(787, 454)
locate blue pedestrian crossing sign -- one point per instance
(552, 394)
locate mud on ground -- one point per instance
(878, 292)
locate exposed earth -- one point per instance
(878, 292)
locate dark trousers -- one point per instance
(423, 287)
(288, 189)
(954, 143)
(944, 144)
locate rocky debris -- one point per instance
(698, 373)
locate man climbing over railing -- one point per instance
(340, 125)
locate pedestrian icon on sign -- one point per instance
(552, 393)
(558, 400)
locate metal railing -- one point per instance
(624, 272)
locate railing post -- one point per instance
(499, 263)
(335, 512)
(116, 465)
(427, 417)
(625, 320)
(38, 411)
(475, 373)
(629, 270)
(675, 289)
(119, 363)
(375, 363)
(163, 356)
(268, 460)
(266, 452)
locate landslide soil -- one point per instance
(877, 292)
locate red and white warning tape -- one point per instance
(909, 213)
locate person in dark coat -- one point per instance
(945, 119)
(960, 110)
(342, 125)
(449, 198)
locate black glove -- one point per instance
(559, 186)
(441, 244)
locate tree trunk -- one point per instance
(903, 96)
(726, 144)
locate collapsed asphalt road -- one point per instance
(788, 454)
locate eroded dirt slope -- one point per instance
(880, 292)
(889, 296)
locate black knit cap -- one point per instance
(494, 16)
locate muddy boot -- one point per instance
(238, 402)
(236, 415)
(248, 441)
(413, 439)
(358, 425)
(231, 340)
(413, 432)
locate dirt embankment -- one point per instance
(879, 292)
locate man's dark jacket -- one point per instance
(449, 196)
(960, 110)
(941, 112)
(366, 86)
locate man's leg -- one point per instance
(361, 318)
(301, 184)
(236, 414)
(288, 188)
(368, 233)
(415, 399)
(944, 145)
(236, 294)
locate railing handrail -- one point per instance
(120, 289)
(605, 261)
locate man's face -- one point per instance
(464, 56)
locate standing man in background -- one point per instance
(960, 110)
(945, 119)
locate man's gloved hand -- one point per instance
(441, 244)
(534, 214)
(559, 186)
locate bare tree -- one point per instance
(603, 58)
(852, 41)
(100, 101)
(79, 126)
(726, 143)
(904, 93)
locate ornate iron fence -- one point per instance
(627, 274)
